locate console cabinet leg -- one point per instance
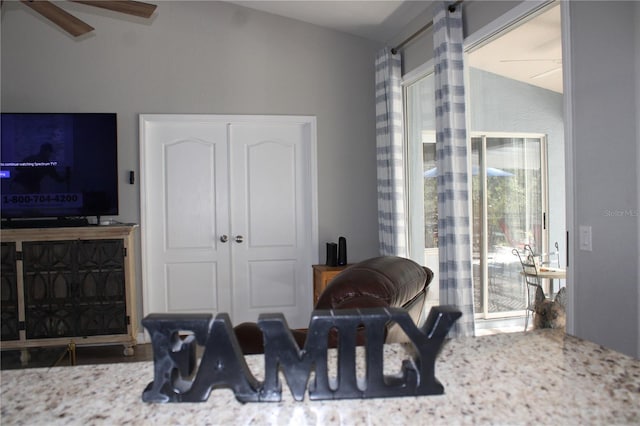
(128, 350)
(24, 357)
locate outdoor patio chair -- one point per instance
(531, 279)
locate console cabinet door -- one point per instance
(9, 293)
(228, 214)
(74, 288)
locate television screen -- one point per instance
(58, 165)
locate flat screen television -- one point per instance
(58, 165)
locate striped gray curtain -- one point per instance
(389, 143)
(454, 229)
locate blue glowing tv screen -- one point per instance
(58, 165)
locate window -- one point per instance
(421, 170)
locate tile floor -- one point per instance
(59, 356)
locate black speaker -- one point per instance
(332, 254)
(342, 251)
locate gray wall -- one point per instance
(604, 55)
(637, 48)
(209, 57)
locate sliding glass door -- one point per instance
(509, 205)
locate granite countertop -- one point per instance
(538, 377)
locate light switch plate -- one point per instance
(585, 238)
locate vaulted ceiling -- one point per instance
(375, 20)
(531, 53)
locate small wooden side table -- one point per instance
(322, 275)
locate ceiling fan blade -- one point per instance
(64, 20)
(130, 7)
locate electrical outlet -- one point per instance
(585, 238)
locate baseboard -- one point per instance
(143, 338)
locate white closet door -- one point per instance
(270, 180)
(185, 212)
(249, 178)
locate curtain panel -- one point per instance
(390, 155)
(454, 228)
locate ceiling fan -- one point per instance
(77, 27)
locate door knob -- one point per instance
(224, 238)
(239, 238)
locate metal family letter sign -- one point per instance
(223, 364)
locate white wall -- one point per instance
(209, 57)
(605, 144)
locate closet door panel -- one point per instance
(189, 168)
(190, 287)
(271, 184)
